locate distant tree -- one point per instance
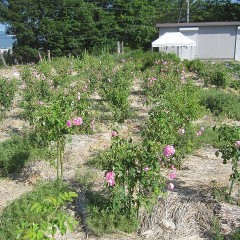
(136, 19)
(62, 26)
(71, 26)
(215, 11)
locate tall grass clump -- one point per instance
(221, 103)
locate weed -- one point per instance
(111, 221)
(19, 210)
(221, 194)
(235, 235)
(217, 229)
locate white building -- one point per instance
(206, 40)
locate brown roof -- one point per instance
(197, 24)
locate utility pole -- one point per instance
(187, 10)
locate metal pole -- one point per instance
(187, 10)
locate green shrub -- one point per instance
(174, 109)
(235, 84)
(17, 151)
(19, 210)
(229, 150)
(196, 66)
(221, 103)
(8, 88)
(219, 77)
(150, 59)
(156, 84)
(51, 218)
(133, 179)
(115, 90)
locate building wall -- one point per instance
(190, 52)
(216, 42)
(213, 42)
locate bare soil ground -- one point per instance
(185, 214)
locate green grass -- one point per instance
(101, 219)
(208, 138)
(18, 150)
(221, 103)
(18, 210)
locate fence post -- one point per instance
(118, 47)
(40, 56)
(49, 55)
(3, 60)
(122, 47)
(71, 64)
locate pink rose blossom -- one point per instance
(171, 186)
(110, 174)
(199, 133)
(69, 123)
(114, 133)
(237, 144)
(110, 178)
(111, 182)
(146, 169)
(172, 175)
(77, 121)
(169, 151)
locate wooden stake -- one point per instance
(118, 47)
(3, 60)
(40, 56)
(122, 47)
(71, 64)
(49, 55)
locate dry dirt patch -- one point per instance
(10, 190)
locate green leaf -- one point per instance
(40, 234)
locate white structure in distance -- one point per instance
(213, 40)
